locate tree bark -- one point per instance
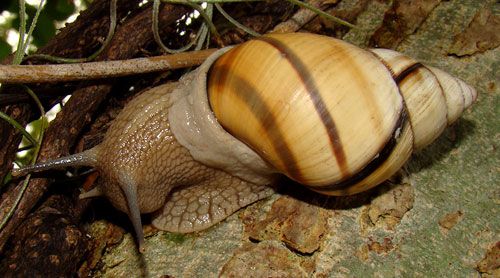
(130, 37)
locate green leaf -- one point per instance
(59, 9)
(5, 48)
(45, 29)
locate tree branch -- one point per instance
(100, 70)
(129, 39)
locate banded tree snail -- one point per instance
(327, 114)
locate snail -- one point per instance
(329, 115)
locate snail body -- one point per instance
(327, 114)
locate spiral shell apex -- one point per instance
(328, 114)
(434, 99)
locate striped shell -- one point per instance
(328, 114)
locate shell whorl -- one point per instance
(434, 99)
(328, 114)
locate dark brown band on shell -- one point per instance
(375, 163)
(398, 78)
(389, 147)
(267, 118)
(406, 72)
(319, 104)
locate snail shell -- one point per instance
(330, 115)
(327, 114)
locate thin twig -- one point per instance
(204, 37)
(298, 20)
(322, 13)
(235, 22)
(156, 33)
(17, 126)
(97, 70)
(111, 32)
(18, 57)
(22, 45)
(33, 159)
(32, 26)
(206, 17)
(205, 34)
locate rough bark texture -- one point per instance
(441, 220)
(79, 39)
(50, 242)
(402, 20)
(129, 39)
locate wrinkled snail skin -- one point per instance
(144, 169)
(141, 159)
(325, 113)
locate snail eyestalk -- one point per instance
(86, 158)
(130, 190)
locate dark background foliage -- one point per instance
(54, 12)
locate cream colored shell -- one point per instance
(329, 114)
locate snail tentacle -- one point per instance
(85, 158)
(129, 187)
